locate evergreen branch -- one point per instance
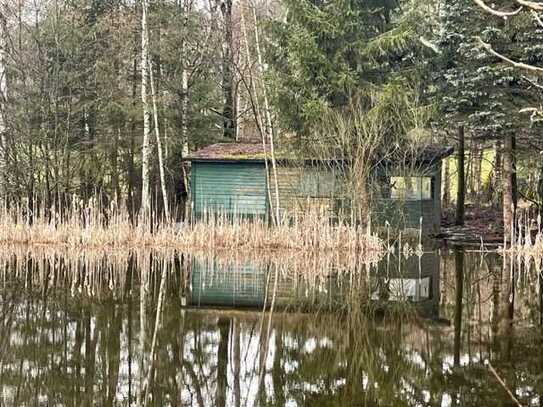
(532, 82)
(430, 45)
(516, 64)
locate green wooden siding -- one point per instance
(240, 188)
(230, 188)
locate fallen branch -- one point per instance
(502, 383)
(531, 4)
(503, 14)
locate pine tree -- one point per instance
(328, 53)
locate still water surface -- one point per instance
(442, 329)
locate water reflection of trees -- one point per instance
(71, 332)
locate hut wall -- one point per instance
(408, 213)
(241, 188)
(304, 189)
(230, 188)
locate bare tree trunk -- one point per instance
(256, 107)
(269, 124)
(508, 190)
(477, 172)
(461, 193)
(495, 184)
(115, 166)
(185, 109)
(3, 97)
(159, 146)
(514, 170)
(229, 108)
(146, 148)
(446, 184)
(132, 149)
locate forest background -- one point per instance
(101, 100)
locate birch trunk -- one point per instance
(184, 111)
(159, 145)
(145, 150)
(256, 107)
(184, 84)
(269, 125)
(3, 97)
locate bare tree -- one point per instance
(269, 125)
(3, 98)
(229, 112)
(146, 148)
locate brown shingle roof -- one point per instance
(255, 151)
(232, 151)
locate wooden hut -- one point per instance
(232, 178)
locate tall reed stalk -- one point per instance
(527, 236)
(92, 226)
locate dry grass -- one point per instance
(528, 240)
(89, 228)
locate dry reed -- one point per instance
(89, 227)
(527, 237)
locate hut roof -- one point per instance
(225, 151)
(256, 152)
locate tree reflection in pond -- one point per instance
(78, 329)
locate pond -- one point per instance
(444, 328)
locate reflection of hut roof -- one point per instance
(256, 152)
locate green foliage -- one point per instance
(477, 88)
(327, 53)
(318, 56)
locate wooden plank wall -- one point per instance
(305, 189)
(231, 188)
(241, 188)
